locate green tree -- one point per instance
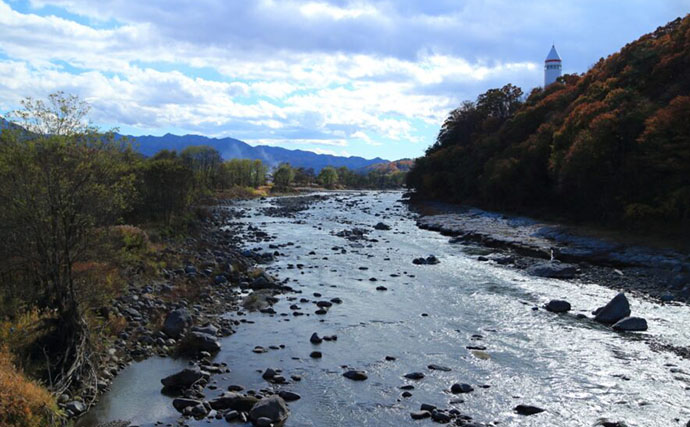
(283, 176)
(205, 162)
(328, 177)
(59, 182)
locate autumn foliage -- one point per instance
(22, 402)
(611, 145)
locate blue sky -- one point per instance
(367, 78)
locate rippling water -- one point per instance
(578, 371)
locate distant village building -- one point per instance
(552, 67)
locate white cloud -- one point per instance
(312, 73)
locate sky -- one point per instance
(372, 78)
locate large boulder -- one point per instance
(615, 310)
(183, 379)
(176, 322)
(553, 270)
(199, 341)
(631, 324)
(274, 408)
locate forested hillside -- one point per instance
(611, 145)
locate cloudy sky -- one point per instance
(368, 78)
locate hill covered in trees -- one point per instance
(611, 145)
(231, 148)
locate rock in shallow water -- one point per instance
(183, 379)
(420, 415)
(274, 408)
(558, 306)
(631, 324)
(356, 375)
(615, 310)
(527, 410)
(414, 376)
(461, 388)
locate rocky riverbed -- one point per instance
(362, 318)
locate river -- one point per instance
(575, 369)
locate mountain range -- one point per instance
(231, 148)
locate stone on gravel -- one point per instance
(615, 310)
(631, 324)
(274, 408)
(553, 270)
(356, 375)
(558, 306)
(176, 322)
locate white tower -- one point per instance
(552, 67)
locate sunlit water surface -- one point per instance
(576, 370)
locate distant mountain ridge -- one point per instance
(231, 148)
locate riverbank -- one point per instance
(183, 311)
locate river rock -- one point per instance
(631, 324)
(440, 417)
(264, 281)
(615, 310)
(558, 306)
(461, 388)
(183, 379)
(176, 322)
(315, 338)
(414, 376)
(289, 396)
(274, 408)
(199, 341)
(356, 375)
(420, 415)
(234, 401)
(527, 410)
(382, 226)
(182, 402)
(553, 270)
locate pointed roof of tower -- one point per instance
(553, 55)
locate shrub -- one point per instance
(23, 402)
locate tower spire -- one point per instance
(552, 66)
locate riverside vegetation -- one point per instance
(610, 146)
(86, 221)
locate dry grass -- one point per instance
(23, 402)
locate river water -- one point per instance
(576, 370)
